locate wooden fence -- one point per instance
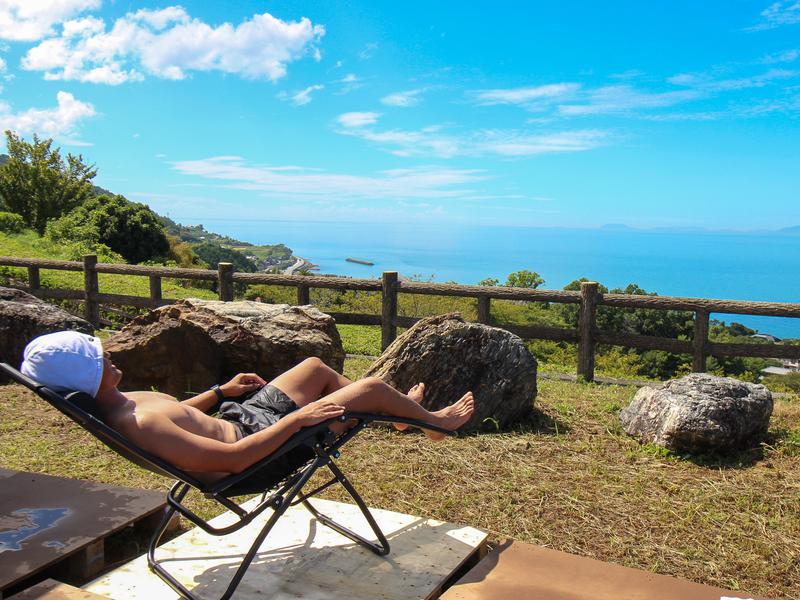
(586, 335)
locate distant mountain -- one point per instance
(617, 227)
(790, 230)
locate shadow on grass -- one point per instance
(780, 440)
(535, 422)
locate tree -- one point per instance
(524, 279)
(213, 254)
(38, 184)
(489, 282)
(129, 228)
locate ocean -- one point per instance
(726, 265)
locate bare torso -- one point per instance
(127, 418)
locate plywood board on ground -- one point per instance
(50, 589)
(516, 570)
(302, 558)
(45, 519)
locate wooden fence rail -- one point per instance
(588, 299)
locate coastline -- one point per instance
(299, 264)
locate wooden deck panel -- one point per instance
(305, 559)
(49, 589)
(519, 571)
(45, 520)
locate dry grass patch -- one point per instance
(569, 479)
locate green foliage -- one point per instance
(789, 383)
(128, 228)
(213, 254)
(11, 222)
(183, 255)
(490, 282)
(275, 252)
(38, 184)
(361, 339)
(29, 244)
(524, 279)
(196, 234)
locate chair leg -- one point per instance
(155, 565)
(382, 547)
(159, 570)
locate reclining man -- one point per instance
(182, 434)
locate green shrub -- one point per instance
(128, 228)
(11, 222)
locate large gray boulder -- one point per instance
(191, 345)
(24, 317)
(452, 357)
(700, 413)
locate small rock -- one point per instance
(700, 413)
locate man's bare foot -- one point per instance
(416, 393)
(454, 416)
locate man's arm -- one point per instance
(239, 385)
(191, 452)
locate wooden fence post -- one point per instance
(155, 290)
(91, 287)
(700, 341)
(483, 309)
(303, 295)
(388, 308)
(225, 274)
(34, 282)
(586, 327)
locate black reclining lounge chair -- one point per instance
(279, 481)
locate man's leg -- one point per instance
(372, 395)
(309, 381)
(312, 379)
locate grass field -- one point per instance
(569, 479)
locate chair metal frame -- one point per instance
(287, 490)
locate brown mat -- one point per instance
(518, 571)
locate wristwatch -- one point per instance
(218, 392)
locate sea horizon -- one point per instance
(737, 265)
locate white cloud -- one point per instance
(512, 143)
(168, 43)
(368, 51)
(777, 14)
(31, 20)
(705, 82)
(623, 99)
(347, 84)
(526, 95)
(50, 122)
(403, 99)
(358, 119)
(435, 141)
(303, 97)
(284, 182)
(780, 57)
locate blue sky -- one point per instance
(543, 114)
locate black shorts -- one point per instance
(258, 411)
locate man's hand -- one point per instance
(316, 412)
(241, 384)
